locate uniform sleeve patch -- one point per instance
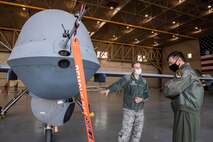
(178, 74)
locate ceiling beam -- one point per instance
(9, 29)
(95, 40)
(127, 44)
(173, 9)
(139, 27)
(102, 20)
(116, 10)
(21, 5)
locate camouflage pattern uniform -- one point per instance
(186, 93)
(133, 113)
(131, 120)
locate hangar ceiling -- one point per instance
(145, 23)
(154, 23)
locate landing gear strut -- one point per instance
(4, 110)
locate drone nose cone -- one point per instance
(45, 79)
(43, 62)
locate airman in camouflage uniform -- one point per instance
(186, 92)
(135, 94)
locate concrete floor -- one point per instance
(20, 124)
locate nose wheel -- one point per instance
(48, 133)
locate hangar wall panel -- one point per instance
(185, 47)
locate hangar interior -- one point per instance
(122, 32)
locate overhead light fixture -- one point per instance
(197, 30)
(111, 7)
(23, 8)
(128, 30)
(115, 37)
(210, 9)
(174, 38)
(136, 41)
(146, 15)
(98, 22)
(154, 32)
(189, 55)
(173, 22)
(156, 43)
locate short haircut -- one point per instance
(176, 54)
(135, 63)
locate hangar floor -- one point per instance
(20, 124)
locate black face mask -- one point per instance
(174, 67)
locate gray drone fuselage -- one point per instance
(35, 56)
(36, 61)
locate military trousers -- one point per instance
(132, 125)
(186, 126)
